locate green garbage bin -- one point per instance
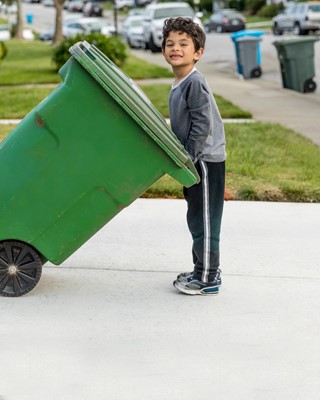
(92, 147)
(296, 57)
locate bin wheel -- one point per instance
(20, 268)
(256, 73)
(309, 86)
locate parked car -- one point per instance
(227, 20)
(124, 4)
(4, 33)
(48, 3)
(92, 9)
(154, 17)
(132, 30)
(28, 34)
(135, 11)
(299, 18)
(75, 5)
(8, 8)
(82, 26)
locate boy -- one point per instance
(197, 123)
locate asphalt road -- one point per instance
(219, 49)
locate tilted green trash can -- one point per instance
(92, 147)
(296, 57)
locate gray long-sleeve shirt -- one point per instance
(195, 119)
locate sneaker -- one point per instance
(193, 286)
(184, 276)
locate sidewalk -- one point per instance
(108, 324)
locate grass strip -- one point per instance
(266, 162)
(31, 62)
(28, 62)
(17, 101)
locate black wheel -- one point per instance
(309, 86)
(20, 268)
(152, 46)
(276, 31)
(256, 73)
(219, 28)
(297, 30)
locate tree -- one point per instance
(19, 29)
(58, 34)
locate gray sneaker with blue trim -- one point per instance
(186, 275)
(187, 284)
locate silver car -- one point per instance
(299, 18)
(132, 30)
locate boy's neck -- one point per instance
(181, 72)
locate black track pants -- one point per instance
(205, 206)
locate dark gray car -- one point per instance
(299, 18)
(226, 20)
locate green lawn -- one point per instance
(30, 62)
(17, 101)
(265, 161)
(27, 62)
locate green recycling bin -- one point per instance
(296, 57)
(87, 151)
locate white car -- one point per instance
(299, 18)
(75, 5)
(5, 33)
(132, 30)
(8, 8)
(48, 3)
(154, 17)
(123, 4)
(84, 26)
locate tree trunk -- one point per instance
(19, 28)
(58, 35)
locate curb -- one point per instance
(225, 121)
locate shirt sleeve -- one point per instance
(199, 104)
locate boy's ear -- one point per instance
(198, 54)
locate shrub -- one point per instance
(253, 6)
(3, 50)
(270, 10)
(113, 47)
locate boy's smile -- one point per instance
(180, 53)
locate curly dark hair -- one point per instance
(186, 25)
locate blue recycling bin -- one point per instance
(29, 18)
(237, 38)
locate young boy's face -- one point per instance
(179, 50)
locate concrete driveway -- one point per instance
(108, 324)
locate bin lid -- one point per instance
(236, 35)
(123, 90)
(295, 40)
